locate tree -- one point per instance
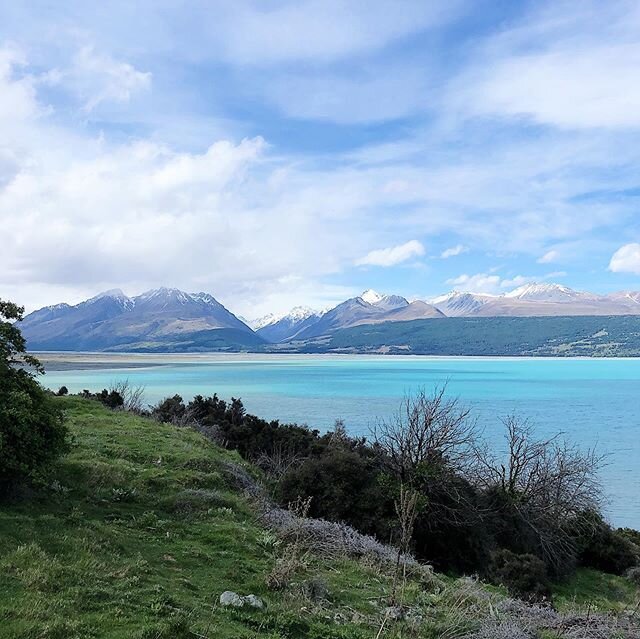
(425, 448)
(427, 429)
(32, 430)
(539, 492)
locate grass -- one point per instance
(596, 591)
(139, 533)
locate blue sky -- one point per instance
(278, 153)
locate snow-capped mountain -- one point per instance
(388, 302)
(547, 293)
(459, 304)
(630, 298)
(538, 300)
(279, 328)
(168, 319)
(111, 320)
(368, 308)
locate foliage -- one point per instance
(344, 485)
(615, 336)
(538, 493)
(525, 576)
(607, 549)
(74, 562)
(110, 398)
(32, 431)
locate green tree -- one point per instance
(32, 430)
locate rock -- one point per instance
(254, 601)
(229, 598)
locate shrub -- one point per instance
(32, 430)
(344, 486)
(525, 576)
(607, 549)
(62, 391)
(170, 410)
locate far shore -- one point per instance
(75, 360)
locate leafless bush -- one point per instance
(133, 396)
(276, 463)
(547, 484)
(333, 540)
(426, 427)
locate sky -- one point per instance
(279, 153)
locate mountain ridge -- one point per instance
(173, 320)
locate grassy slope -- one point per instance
(107, 553)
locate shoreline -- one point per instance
(68, 361)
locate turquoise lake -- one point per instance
(594, 402)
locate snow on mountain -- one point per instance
(114, 294)
(541, 292)
(387, 302)
(296, 314)
(279, 328)
(632, 298)
(458, 303)
(370, 296)
(265, 320)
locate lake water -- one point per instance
(592, 401)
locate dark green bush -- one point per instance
(524, 576)
(344, 486)
(110, 398)
(32, 430)
(170, 410)
(606, 549)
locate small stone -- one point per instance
(229, 598)
(254, 601)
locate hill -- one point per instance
(144, 526)
(617, 336)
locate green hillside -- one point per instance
(616, 336)
(143, 527)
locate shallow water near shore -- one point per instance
(595, 402)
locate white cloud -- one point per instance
(478, 283)
(392, 255)
(97, 78)
(626, 259)
(319, 30)
(494, 284)
(561, 67)
(549, 257)
(453, 251)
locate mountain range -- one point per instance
(171, 320)
(158, 320)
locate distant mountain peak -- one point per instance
(543, 291)
(295, 315)
(371, 297)
(115, 293)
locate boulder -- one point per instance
(229, 598)
(232, 599)
(254, 601)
